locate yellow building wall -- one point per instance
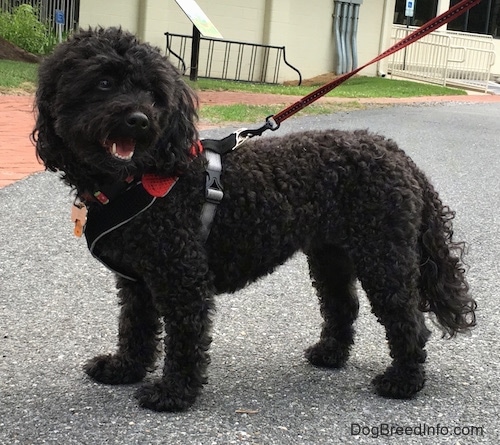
(374, 34)
(305, 28)
(110, 13)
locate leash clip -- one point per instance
(238, 137)
(241, 136)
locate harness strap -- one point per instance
(213, 191)
(220, 146)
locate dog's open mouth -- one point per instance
(120, 148)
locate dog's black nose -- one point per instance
(138, 121)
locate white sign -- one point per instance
(410, 8)
(199, 18)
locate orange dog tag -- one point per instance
(79, 217)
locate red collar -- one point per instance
(156, 185)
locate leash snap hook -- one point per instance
(241, 136)
(244, 134)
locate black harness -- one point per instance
(104, 219)
(128, 200)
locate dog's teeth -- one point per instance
(123, 158)
(113, 150)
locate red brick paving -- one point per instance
(17, 154)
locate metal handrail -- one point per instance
(259, 57)
(445, 57)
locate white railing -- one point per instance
(445, 57)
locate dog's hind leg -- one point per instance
(390, 281)
(333, 277)
(139, 327)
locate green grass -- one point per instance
(372, 87)
(17, 77)
(355, 88)
(20, 78)
(217, 114)
(20, 74)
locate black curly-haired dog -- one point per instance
(112, 111)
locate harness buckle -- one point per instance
(214, 195)
(213, 189)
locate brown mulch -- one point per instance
(9, 51)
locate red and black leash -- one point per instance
(273, 122)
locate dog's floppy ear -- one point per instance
(179, 131)
(185, 117)
(49, 146)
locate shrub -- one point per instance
(23, 29)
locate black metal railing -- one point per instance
(230, 60)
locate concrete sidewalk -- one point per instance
(17, 155)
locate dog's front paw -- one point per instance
(400, 382)
(159, 396)
(328, 354)
(114, 370)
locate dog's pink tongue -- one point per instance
(124, 147)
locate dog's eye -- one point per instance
(105, 84)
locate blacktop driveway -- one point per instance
(58, 308)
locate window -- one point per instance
(424, 11)
(483, 18)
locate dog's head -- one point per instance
(110, 107)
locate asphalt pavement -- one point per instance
(58, 308)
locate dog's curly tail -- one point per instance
(443, 286)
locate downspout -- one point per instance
(338, 41)
(348, 37)
(345, 25)
(343, 39)
(354, 34)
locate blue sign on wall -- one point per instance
(59, 16)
